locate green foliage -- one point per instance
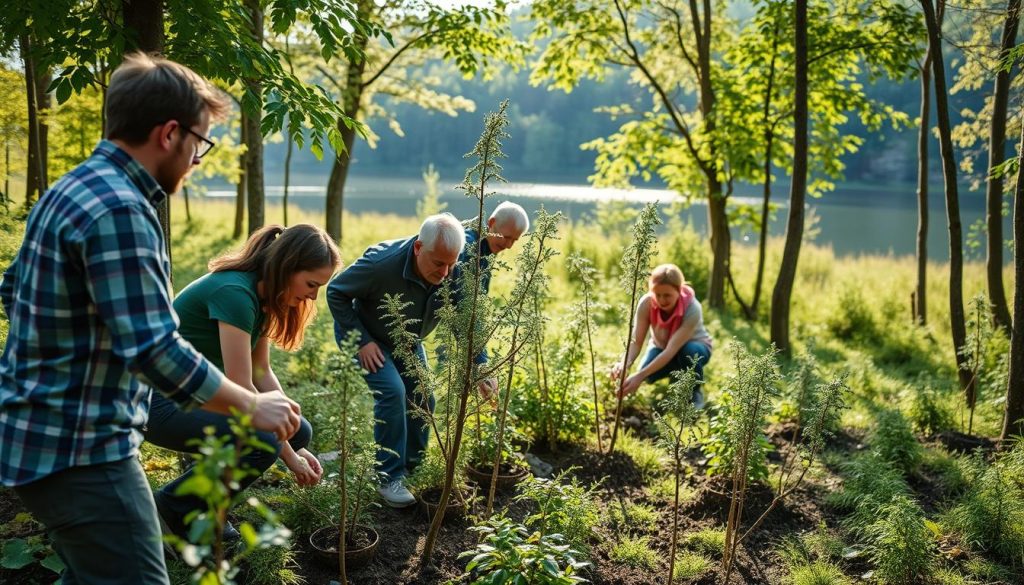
(709, 541)
(19, 553)
(647, 456)
(306, 509)
(894, 441)
(901, 545)
(989, 516)
(818, 573)
(627, 517)
(511, 554)
(216, 471)
(272, 566)
(717, 442)
(927, 412)
(634, 551)
(853, 319)
(690, 565)
(565, 508)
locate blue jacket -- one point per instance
(355, 295)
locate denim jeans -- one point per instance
(172, 428)
(400, 434)
(102, 522)
(680, 361)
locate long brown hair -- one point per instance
(275, 253)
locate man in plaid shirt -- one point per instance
(92, 330)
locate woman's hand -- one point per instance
(306, 468)
(616, 371)
(631, 385)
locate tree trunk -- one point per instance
(287, 177)
(253, 133)
(782, 294)
(36, 82)
(351, 97)
(718, 221)
(994, 189)
(769, 139)
(1013, 419)
(144, 23)
(956, 257)
(240, 188)
(921, 292)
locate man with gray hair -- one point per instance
(414, 268)
(507, 223)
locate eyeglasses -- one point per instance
(204, 147)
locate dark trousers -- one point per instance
(401, 434)
(174, 429)
(693, 354)
(102, 522)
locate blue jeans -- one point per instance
(172, 428)
(681, 361)
(102, 522)
(400, 434)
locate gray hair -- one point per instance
(445, 230)
(507, 212)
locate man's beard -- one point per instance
(167, 173)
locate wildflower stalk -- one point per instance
(635, 263)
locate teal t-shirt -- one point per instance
(218, 296)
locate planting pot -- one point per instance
(430, 501)
(508, 475)
(359, 551)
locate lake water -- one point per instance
(853, 221)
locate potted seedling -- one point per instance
(350, 544)
(489, 448)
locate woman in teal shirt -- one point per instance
(265, 293)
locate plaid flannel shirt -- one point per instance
(91, 324)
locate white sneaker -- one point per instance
(396, 495)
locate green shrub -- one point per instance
(635, 552)
(869, 482)
(710, 541)
(511, 554)
(988, 571)
(900, 543)
(690, 565)
(852, 318)
(717, 445)
(647, 457)
(927, 412)
(989, 516)
(894, 441)
(818, 573)
(564, 508)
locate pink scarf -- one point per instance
(675, 319)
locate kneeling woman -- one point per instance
(264, 293)
(679, 340)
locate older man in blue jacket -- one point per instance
(414, 268)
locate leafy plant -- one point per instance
(927, 413)
(709, 541)
(631, 516)
(869, 482)
(636, 260)
(19, 553)
(510, 553)
(818, 573)
(564, 508)
(217, 470)
(272, 566)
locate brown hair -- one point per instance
(669, 274)
(275, 254)
(146, 91)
